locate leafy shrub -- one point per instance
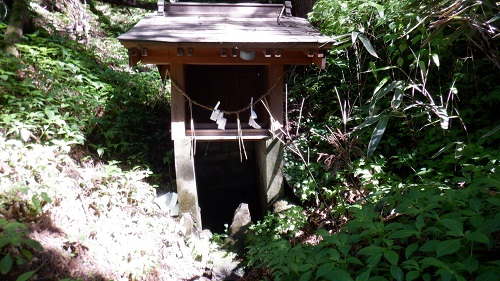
(426, 232)
(15, 247)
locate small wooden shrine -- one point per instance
(226, 64)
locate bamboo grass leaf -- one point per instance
(491, 132)
(367, 45)
(378, 132)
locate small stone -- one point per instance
(239, 227)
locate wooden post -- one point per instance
(269, 153)
(184, 160)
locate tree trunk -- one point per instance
(19, 20)
(302, 7)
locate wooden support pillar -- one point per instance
(269, 153)
(184, 158)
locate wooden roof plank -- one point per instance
(219, 23)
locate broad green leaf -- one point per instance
(392, 257)
(400, 61)
(429, 246)
(419, 222)
(324, 269)
(410, 265)
(377, 134)
(373, 260)
(448, 247)
(410, 250)
(471, 264)
(371, 250)
(403, 233)
(6, 264)
(454, 225)
(305, 267)
(397, 273)
(412, 275)
(46, 197)
(430, 261)
(363, 276)
(476, 204)
(14, 226)
(4, 240)
(340, 275)
(478, 237)
(333, 254)
(488, 276)
(33, 244)
(26, 253)
(378, 278)
(26, 276)
(353, 260)
(487, 182)
(446, 275)
(306, 276)
(494, 200)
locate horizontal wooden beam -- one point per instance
(226, 56)
(156, 45)
(213, 135)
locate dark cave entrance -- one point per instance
(223, 182)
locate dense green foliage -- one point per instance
(405, 185)
(402, 125)
(61, 97)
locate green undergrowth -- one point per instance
(75, 117)
(422, 232)
(392, 150)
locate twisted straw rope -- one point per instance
(234, 112)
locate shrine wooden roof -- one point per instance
(205, 32)
(240, 25)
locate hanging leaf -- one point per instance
(25, 276)
(491, 132)
(354, 36)
(444, 119)
(367, 45)
(6, 264)
(379, 69)
(380, 8)
(443, 149)
(368, 122)
(422, 66)
(380, 85)
(381, 93)
(398, 95)
(377, 134)
(435, 58)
